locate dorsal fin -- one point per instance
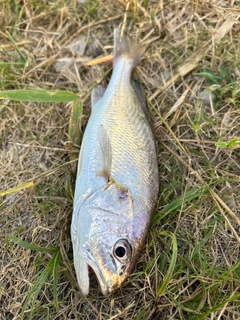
(96, 95)
(142, 99)
(140, 93)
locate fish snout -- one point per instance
(110, 274)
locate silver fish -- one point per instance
(117, 180)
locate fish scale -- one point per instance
(117, 180)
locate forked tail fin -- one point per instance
(126, 48)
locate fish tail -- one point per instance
(126, 48)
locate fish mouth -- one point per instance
(85, 265)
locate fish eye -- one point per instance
(122, 251)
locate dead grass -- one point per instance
(200, 181)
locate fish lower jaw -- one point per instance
(97, 276)
(83, 277)
(84, 281)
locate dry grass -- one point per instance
(200, 180)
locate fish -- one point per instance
(117, 182)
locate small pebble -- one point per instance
(207, 97)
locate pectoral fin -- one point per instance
(106, 153)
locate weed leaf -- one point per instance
(39, 95)
(31, 246)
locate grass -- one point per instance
(51, 54)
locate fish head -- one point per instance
(111, 264)
(105, 240)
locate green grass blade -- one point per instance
(177, 203)
(209, 75)
(229, 274)
(172, 264)
(181, 304)
(201, 244)
(22, 56)
(31, 246)
(39, 95)
(34, 292)
(141, 314)
(57, 260)
(236, 297)
(10, 64)
(74, 131)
